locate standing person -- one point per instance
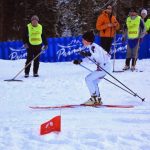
(146, 20)
(33, 39)
(107, 24)
(147, 24)
(134, 30)
(102, 59)
(144, 17)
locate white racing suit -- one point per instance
(102, 59)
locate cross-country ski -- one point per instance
(80, 106)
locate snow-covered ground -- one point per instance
(85, 128)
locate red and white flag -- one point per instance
(53, 125)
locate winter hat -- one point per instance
(35, 18)
(89, 36)
(144, 11)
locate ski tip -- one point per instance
(119, 106)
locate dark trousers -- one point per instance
(32, 52)
(128, 61)
(106, 43)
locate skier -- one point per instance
(102, 59)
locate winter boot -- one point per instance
(126, 68)
(26, 75)
(35, 75)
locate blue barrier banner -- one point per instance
(118, 48)
(67, 48)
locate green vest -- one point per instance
(133, 27)
(147, 24)
(35, 34)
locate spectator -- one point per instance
(107, 24)
(134, 30)
(147, 24)
(33, 38)
(146, 20)
(144, 17)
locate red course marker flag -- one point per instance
(53, 125)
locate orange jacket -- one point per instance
(103, 22)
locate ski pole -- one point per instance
(85, 68)
(135, 94)
(14, 78)
(109, 81)
(114, 53)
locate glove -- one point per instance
(77, 62)
(44, 47)
(85, 54)
(25, 46)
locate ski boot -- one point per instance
(94, 100)
(98, 100)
